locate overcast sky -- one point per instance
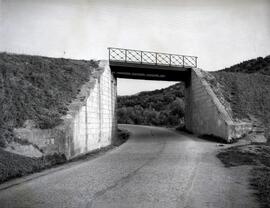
(221, 33)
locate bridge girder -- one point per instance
(147, 65)
(149, 72)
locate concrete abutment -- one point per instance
(206, 115)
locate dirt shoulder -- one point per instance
(256, 155)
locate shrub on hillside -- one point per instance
(259, 65)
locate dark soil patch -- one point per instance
(212, 138)
(38, 89)
(183, 128)
(122, 137)
(257, 155)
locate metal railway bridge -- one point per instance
(136, 64)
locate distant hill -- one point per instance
(259, 65)
(163, 107)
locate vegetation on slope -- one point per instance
(259, 65)
(163, 107)
(38, 89)
(248, 94)
(247, 89)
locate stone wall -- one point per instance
(206, 115)
(89, 124)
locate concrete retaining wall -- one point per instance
(89, 124)
(205, 114)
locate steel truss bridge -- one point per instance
(137, 64)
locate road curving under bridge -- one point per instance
(156, 167)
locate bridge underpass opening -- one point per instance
(153, 66)
(204, 113)
(153, 103)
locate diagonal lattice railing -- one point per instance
(151, 58)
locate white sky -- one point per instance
(221, 33)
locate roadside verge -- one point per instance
(16, 169)
(257, 156)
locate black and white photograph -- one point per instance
(134, 104)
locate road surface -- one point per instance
(155, 168)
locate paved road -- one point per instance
(155, 168)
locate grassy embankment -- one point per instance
(37, 89)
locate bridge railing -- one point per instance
(151, 58)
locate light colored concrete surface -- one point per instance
(156, 167)
(94, 124)
(26, 150)
(205, 114)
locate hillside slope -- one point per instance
(259, 65)
(38, 89)
(246, 87)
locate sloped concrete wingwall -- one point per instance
(90, 123)
(205, 114)
(94, 125)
